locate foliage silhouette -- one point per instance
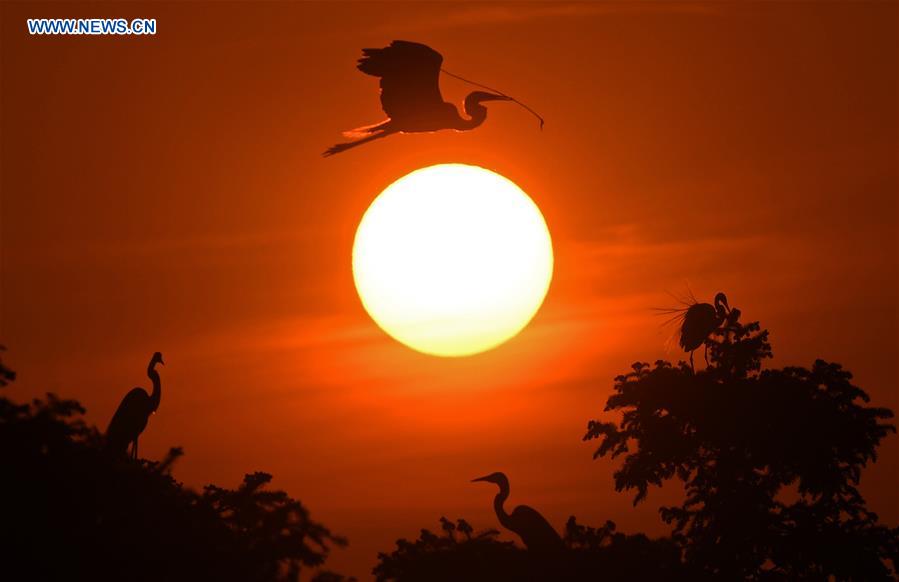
(72, 510)
(590, 553)
(6, 375)
(770, 460)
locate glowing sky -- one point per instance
(167, 193)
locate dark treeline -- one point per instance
(770, 461)
(71, 510)
(458, 553)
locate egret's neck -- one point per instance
(156, 396)
(476, 113)
(498, 503)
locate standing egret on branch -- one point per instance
(130, 419)
(410, 95)
(699, 321)
(535, 532)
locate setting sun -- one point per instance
(452, 259)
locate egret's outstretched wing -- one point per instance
(410, 77)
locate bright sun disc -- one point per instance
(452, 259)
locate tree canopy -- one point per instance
(458, 553)
(71, 510)
(770, 460)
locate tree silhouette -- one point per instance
(590, 554)
(770, 460)
(275, 530)
(71, 510)
(6, 375)
(446, 557)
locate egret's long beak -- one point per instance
(161, 362)
(494, 97)
(484, 478)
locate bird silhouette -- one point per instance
(699, 321)
(410, 95)
(130, 419)
(535, 532)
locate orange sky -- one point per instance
(167, 193)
